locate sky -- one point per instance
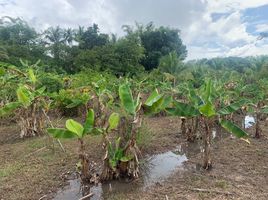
(209, 28)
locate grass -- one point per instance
(144, 136)
(221, 184)
(10, 169)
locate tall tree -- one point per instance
(158, 42)
(19, 41)
(56, 39)
(91, 37)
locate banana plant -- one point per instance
(30, 105)
(256, 94)
(208, 114)
(133, 110)
(8, 84)
(67, 100)
(76, 130)
(102, 100)
(114, 153)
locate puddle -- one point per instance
(161, 166)
(154, 169)
(249, 121)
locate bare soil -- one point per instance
(32, 169)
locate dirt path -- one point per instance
(30, 170)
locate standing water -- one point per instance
(156, 169)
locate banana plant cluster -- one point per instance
(256, 94)
(203, 107)
(133, 110)
(30, 106)
(71, 100)
(121, 157)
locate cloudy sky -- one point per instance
(209, 28)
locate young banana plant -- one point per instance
(114, 154)
(75, 130)
(208, 115)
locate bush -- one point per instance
(52, 82)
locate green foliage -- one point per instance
(207, 110)
(158, 42)
(90, 120)
(183, 110)
(91, 37)
(121, 58)
(3, 54)
(18, 41)
(32, 76)
(232, 107)
(232, 128)
(52, 82)
(61, 133)
(9, 108)
(154, 97)
(126, 98)
(116, 154)
(171, 64)
(24, 96)
(70, 98)
(74, 129)
(113, 121)
(264, 110)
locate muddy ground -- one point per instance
(33, 169)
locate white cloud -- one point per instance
(223, 6)
(261, 28)
(195, 52)
(66, 13)
(228, 33)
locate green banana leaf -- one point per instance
(207, 110)
(232, 107)
(61, 133)
(89, 124)
(23, 96)
(127, 99)
(166, 102)
(75, 127)
(183, 110)
(9, 108)
(155, 107)
(208, 91)
(32, 76)
(233, 129)
(154, 97)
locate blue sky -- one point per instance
(209, 28)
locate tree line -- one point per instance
(142, 48)
(72, 50)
